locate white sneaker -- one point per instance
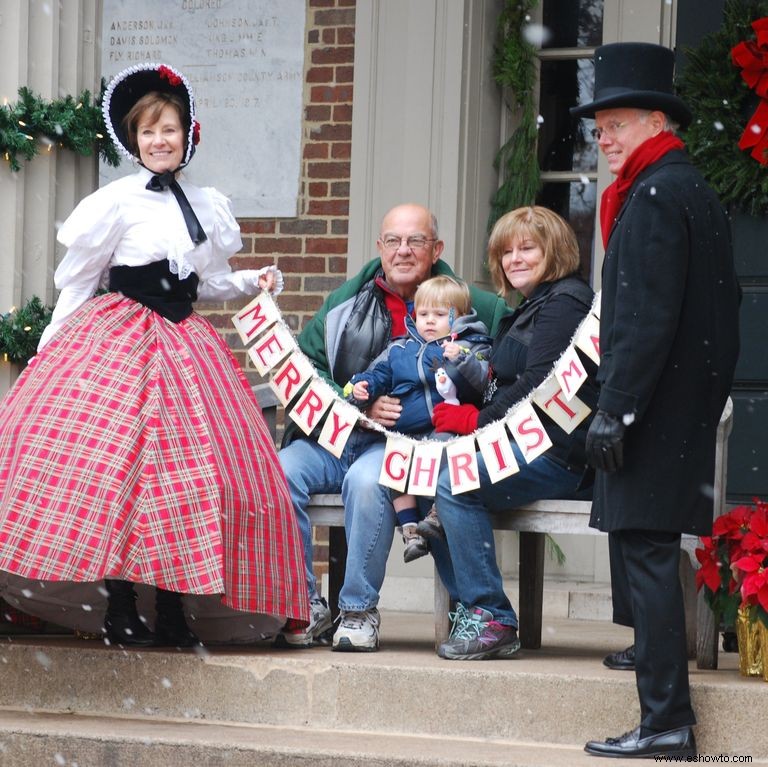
(357, 631)
(299, 637)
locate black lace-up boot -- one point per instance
(122, 624)
(171, 628)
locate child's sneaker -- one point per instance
(430, 526)
(357, 631)
(295, 636)
(480, 638)
(415, 545)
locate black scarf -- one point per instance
(161, 181)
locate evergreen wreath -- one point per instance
(722, 103)
(68, 123)
(514, 69)
(20, 330)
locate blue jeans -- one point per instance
(369, 518)
(466, 518)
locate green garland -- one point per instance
(514, 69)
(72, 124)
(20, 330)
(722, 104)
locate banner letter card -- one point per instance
(588, 338)
(425, 468)
(271, 348)
(462, 465)
(311, 405)
(292, 375)
(493, 442)
(570, 372)
(338, 426)
(566, 414)
(397, 458)
(256, 317)
(528, 431)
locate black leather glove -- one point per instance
(605, 442)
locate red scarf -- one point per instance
(646, 154)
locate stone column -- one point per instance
(51, 48)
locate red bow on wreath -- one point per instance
(752, 57)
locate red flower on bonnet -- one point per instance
(169, 75)
(195, 132)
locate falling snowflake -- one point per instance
(536, 35)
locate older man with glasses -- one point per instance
(669, 341)
(354, 324)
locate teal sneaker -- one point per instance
(458, 619)
(479, 637)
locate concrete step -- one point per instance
(558, 695)
(580, 600)
(43, 738)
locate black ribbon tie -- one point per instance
(162, 181)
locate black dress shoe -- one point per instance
(623, 660)
(679, 742)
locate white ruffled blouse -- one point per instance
(126, 224)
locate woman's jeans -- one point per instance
(468, 526)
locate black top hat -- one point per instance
(126, 88)
(637, 75)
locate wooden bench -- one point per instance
(533, 522)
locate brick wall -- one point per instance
(311, 248)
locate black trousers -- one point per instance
(647, 595)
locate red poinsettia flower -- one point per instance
(734, 562)
(754, 586)
(733, 525)
(195, 132)
(168, 74)
(756, 538)
(710, 572)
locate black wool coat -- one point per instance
(669, 341)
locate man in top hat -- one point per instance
(669, 343)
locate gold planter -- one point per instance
(763, 634)
(750, 653)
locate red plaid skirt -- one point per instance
(133, 448)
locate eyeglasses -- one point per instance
(611, 130)
(416, 242)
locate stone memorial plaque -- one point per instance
(245, 61)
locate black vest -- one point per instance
(157, 288)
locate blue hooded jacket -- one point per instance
(406, 369)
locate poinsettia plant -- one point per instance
(734, 563)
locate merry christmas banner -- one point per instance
(412, 464)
